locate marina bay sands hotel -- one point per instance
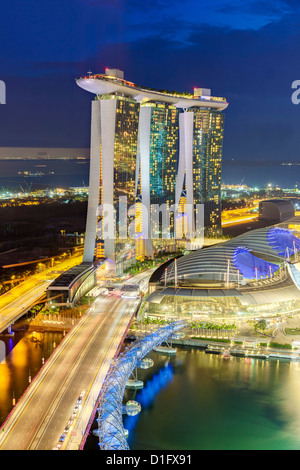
(149, 149)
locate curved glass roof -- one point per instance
(252, 267)
(255, 254)
(283, 241)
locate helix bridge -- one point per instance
(111, 432)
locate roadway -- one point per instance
(239, 216)
(78, 364)
(14, 303)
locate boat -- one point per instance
(226, 354)
(214, 350)
(238, 353)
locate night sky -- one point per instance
(247, 51)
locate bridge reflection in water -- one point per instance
(111, 431)
(146, 396)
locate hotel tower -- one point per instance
(151, 153)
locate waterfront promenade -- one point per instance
(247, 346)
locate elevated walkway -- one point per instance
(111, 431)
(73, 284)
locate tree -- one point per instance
(261, 325)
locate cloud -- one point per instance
(247, 53)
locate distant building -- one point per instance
(43, 153)
(276, 210)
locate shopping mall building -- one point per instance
(254, 275)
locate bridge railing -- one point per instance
(110, 423)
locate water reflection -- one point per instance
(148, 394)
(25, 354)
(215, 403)
(191, 401)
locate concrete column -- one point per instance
(108, 123)
(185, 166)
(144, 134)
(94, 184)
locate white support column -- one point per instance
(94, 184)
(228, 273)
(181, 163)
(144, 161)
(188, 136)
(108, 122)
(185, 167)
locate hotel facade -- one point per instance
(152, 153)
